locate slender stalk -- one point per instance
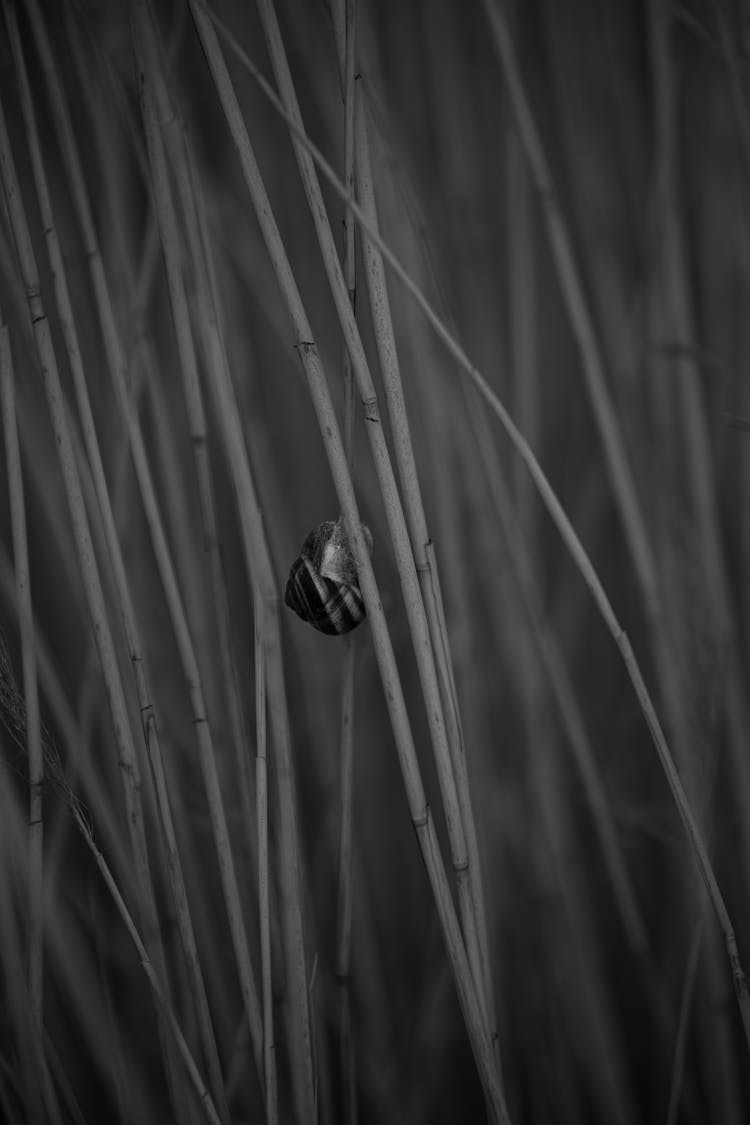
(567, 533)
(680, 396)
(262, 582)
(347, 1057)
(201, 1090)
(415, 608)
(328, 425)
(171, 239)
(394, 511)
(13, 933)
(523, 312)
(618, 467)
(131, 628)
(572, 290)
(548, 653)
(209, 318)
(426, 563)
(33, 728)
(129, 771)
(677, 323)
(11, 702)
(344, 12)
(65, 722)
(188, 657)
(114, 1043)
(264, 904)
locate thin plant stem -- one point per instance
(181, 628)
(264, 904)
(129, 771)
(412, 592)
(553, 661)
(65, 722)
(328, 425)
(12, 705)
(114, 1039)
(424, 555)
(132, 631)
(33, 730)
(522, 315)
(675, 318)
(572, 290)
(581, 320)
(565, 528)
(344, 13)
(347, 1057)
(261, 582)
(171, 131)
(677, 321)
(394, 510)
(201, 1090)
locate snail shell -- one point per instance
(322, 588)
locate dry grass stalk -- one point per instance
(337, 460)
(147, 712)
(261, 582)
(33, 730)
(344, 15)
(88, 566)
(264, 903)
(450, 765)
(590, 891)
(574, 546)
(188, 656)
(14, 717)
(424, 555)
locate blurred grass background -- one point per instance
(614, 999)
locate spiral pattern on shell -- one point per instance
(322, 587)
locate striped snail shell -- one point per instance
(322, 588)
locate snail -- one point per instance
(322, 588)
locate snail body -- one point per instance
(322, 587)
